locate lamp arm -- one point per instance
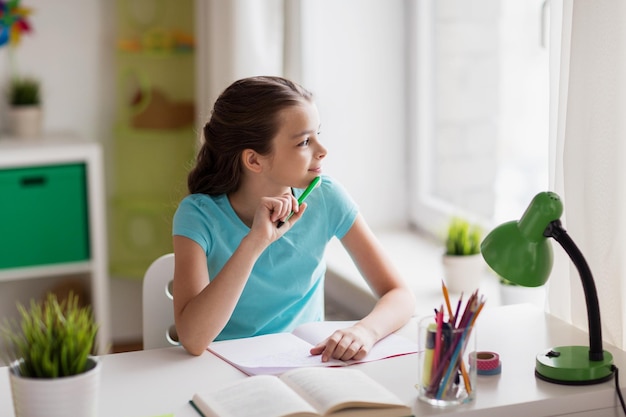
(556, 231)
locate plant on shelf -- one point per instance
(463, 238)
(53, 341)
(25, 113)
(24, 92)
(463, 266)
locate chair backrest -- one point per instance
(158, 310)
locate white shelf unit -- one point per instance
(66, 149)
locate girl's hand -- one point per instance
(270, 211)
(351, 343)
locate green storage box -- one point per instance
(43, 215)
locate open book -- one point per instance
(280, 352)
(303, 392)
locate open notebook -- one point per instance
(280, 352)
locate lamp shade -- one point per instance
(519, 250)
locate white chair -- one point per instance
(158, 310)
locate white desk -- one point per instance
(156, 382)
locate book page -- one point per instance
(333, 389)
(261, 396)
(269, 354)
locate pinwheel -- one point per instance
(13, 22)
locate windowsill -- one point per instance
(418, 260)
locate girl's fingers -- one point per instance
(343, 345)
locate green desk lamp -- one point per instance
(520, 252)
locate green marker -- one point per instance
(316, 181)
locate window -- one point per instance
(480, 93)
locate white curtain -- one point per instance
(588, 109)
(242, 38)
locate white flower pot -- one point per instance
(515, 294)
(25, 121)
(463, 273)
(58, 397)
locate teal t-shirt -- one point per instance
(286, 285)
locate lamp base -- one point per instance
(570, 365)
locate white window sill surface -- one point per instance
(417, 258)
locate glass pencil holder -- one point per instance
(445, 377)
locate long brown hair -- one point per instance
(243, 117)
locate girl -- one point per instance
(237, 273)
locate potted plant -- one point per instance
(463, 265)
(52, 370)
(25, 114)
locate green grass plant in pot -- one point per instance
(463, 266)
(25, 112)
(24, 92)
(52, 370)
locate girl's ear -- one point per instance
(251, 160)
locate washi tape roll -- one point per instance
(487, 363)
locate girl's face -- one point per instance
(297, 152)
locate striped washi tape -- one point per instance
(487, 363)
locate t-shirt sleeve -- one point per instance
(189, 222)
(342, 210)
